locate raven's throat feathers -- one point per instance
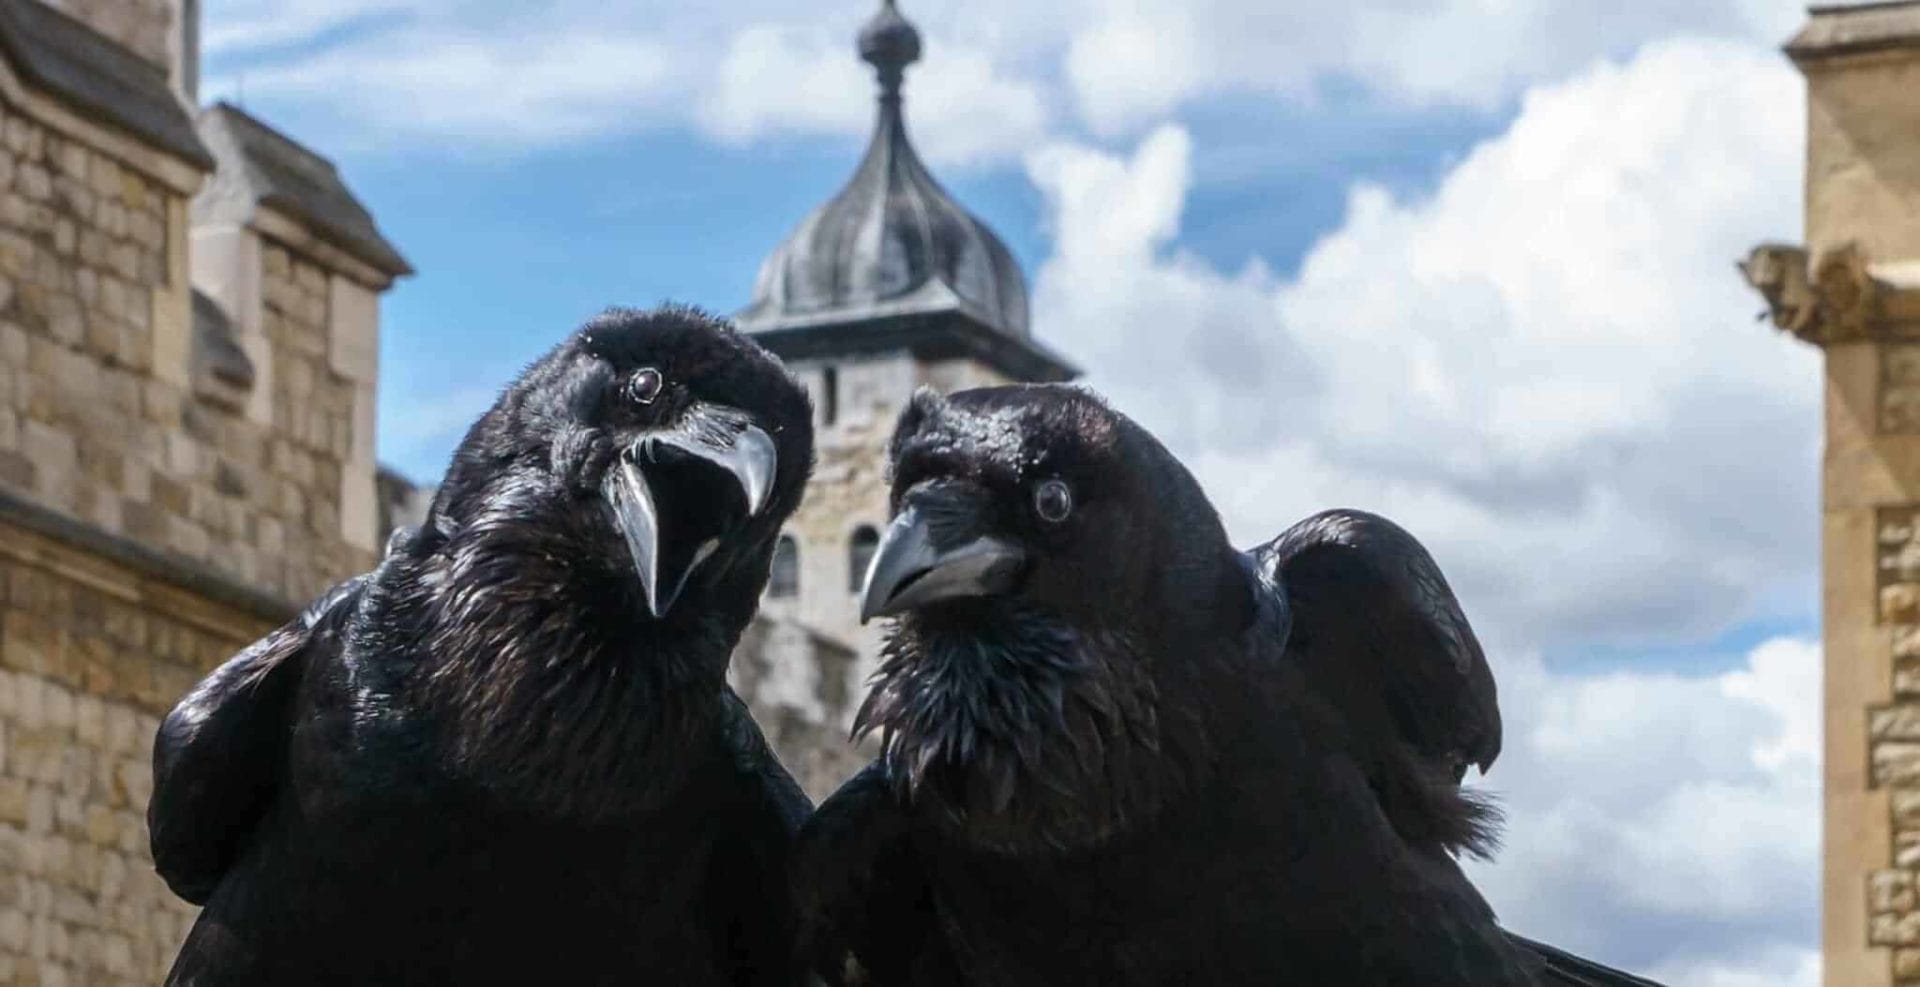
(1020, 732)
(542, 680)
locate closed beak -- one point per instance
(913, 567)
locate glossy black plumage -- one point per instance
(486, 762)
(1144, 757)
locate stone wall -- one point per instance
(313, 434)
(808, 716)
(1847, 291)
(849, 486)
(96, 419)
(799, 686)
(91, 655)
(144, 26)
(1894, 739)
(103, 430)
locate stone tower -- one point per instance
(188, 322)
(889, 286)
(1854, 291)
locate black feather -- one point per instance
(1150, 759)
(485, 762)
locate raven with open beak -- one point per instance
(689, 463)
(509, 753)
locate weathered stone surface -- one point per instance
(86, 669)
(1891, 891)
(1900, 603)
(162, 466)
(1895, 929)
(1896, 763)
(1906, 964)
(95, 423)
(1896, 723)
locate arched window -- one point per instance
(784, 581)
(860, 555)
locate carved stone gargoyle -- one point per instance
(1826, 299)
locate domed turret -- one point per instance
(892, 242)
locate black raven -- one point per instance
(1117, 751)
(508, 755)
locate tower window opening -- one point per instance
(784, 581)
(860, 555)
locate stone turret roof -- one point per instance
(73, 63)
(1857, 28)
(260, 166)
(893, 246)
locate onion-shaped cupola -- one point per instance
(892, 242)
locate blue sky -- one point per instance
(1465, 263)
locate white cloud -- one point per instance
(1130, 61)
(505, 77)
(477, 87)
(775, 80)
(997, 74)
(1551, 353)
(1665, 822)
(1549, 371)
(249, 25)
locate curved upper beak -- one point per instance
(663, 498)
(926, 556)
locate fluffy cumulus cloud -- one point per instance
(1129, 61)
(507, 74)
(1546, 368)
(1550, 352)
(511, 77)
(1663, 822)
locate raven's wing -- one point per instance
(863, 907)
(217, 756)
(1563, 969)
(754, 757)
(1379, 637)
(748, 874)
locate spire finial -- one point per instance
(890, 43)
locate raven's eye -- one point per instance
(1053, 501)
(645, 385)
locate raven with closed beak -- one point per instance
(508, 755)
(1116, 751)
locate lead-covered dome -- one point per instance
(892, 242)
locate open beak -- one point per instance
(931, 552)
(676, 492)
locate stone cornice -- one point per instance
(300, 236)
(1851, 31)
(125, 568)
(183, 176)
(929, 337)
(1836, 297)
(65, 76)
(286, 191)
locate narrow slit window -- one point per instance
(860, 555)
(784, 581)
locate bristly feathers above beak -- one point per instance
(935, 550)
(664, 501)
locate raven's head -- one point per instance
(1052, 568)
(601, 540)
(665, 446)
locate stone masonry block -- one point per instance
(1895, 723)
(1891, 891)
(1900, 603)
(1896, 763)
